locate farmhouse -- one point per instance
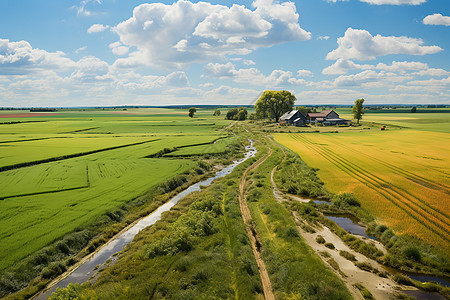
(294, 117)
(326, 117)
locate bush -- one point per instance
(403, 279)
(290, 232)
(413, 253)
(320, 239)
(324, 253)
(364, 266)
(329, 245)
(364, 292)
(347, 255)
(345, 200)
(53, 270)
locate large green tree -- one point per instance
(358, 110)
(274, 103)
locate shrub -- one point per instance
(345, 200)
(413, 253)
(290, 232)
(403, 279)
(320, 239)
(53, 270)
(324, 253)
(364, 292)
(329, 245)
(364, 266)
(347, 255)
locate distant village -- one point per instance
(326, 117)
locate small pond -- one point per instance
(349, 223)
(321, 202)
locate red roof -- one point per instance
(316, 115)
(327, 112)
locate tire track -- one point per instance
(441, 216)
(376, 184)
(408, 174)
(251, 230)
(373, 182)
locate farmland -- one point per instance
(399, 174)
(61, 171)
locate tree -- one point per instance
(242, 115)
(239, 114)
(216, 112)
(231, 114)
(358, 110)
(414, 109)
(274, 103)
(192, 111)
(306, 110)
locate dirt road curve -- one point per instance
(251, 230)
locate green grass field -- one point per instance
(60, 173)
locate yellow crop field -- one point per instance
(400, 176)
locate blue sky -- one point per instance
(112, 52)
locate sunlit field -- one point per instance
(400, 175)
(58, 171)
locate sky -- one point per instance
(114, 52)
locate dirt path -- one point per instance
(251, 230)
(229, 126)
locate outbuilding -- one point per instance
(294, 117)
(327, 117)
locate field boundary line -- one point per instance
(46, 192)
(64, 157)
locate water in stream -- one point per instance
(350, 224)
(90, 267)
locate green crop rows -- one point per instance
(62, 172)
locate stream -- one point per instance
(89, 269)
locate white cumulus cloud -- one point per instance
(255, 77)
(97, 28)
(342, 66)
(436, 19)
(18, 58)
(361, 45)
(175, 35)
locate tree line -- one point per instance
(273, 104)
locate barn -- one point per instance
(327, 117)
(294, 117)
